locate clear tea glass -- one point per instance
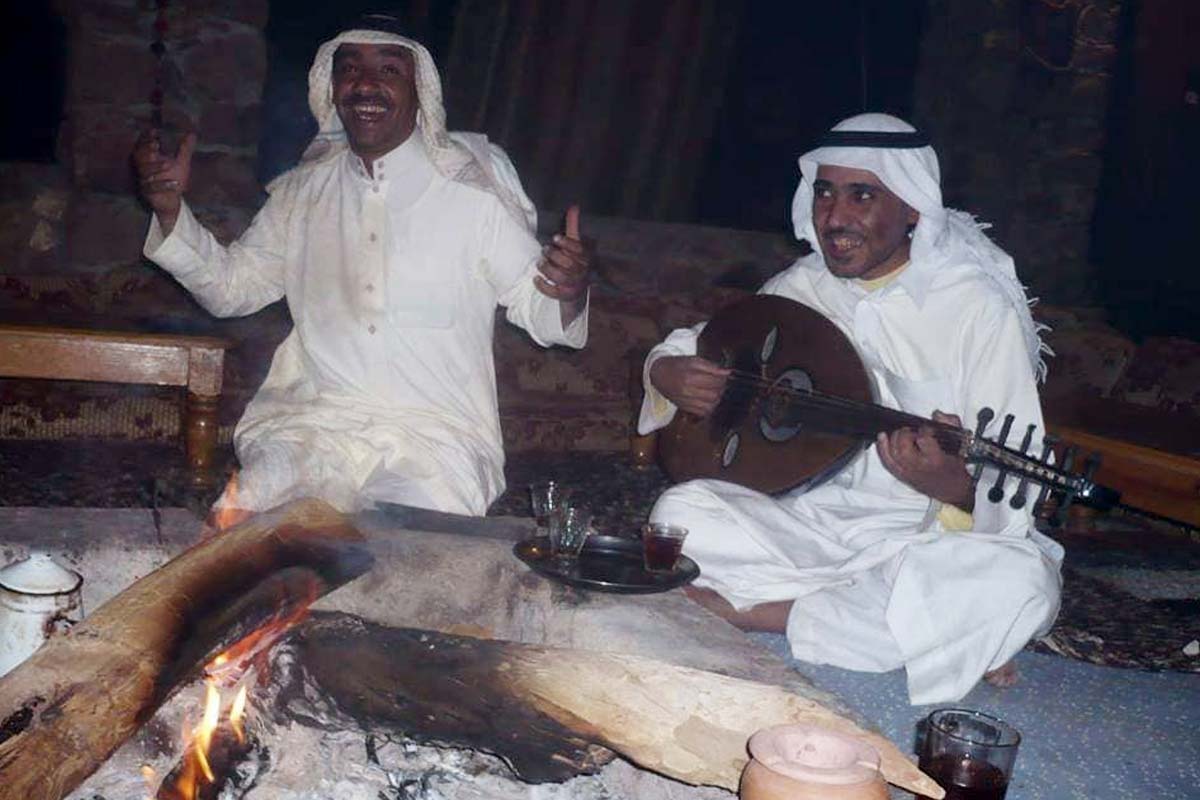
(971, 754)
(569, 529)
(661, 546)
(544, 498)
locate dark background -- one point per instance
(696, 111)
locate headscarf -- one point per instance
(905, 163)
(466, 158)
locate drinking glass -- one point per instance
(569, 529)
(544, 498)
(661, 546)
(971, 754)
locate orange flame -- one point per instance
(230, 669)
(228, 514)
(236, 712)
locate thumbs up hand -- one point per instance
(163, 179)
(566, 269)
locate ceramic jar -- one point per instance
(38, 597)
(806, 762)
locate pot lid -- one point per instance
(39, 574)
(815, 755)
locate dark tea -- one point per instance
(966, 778)
(661, 551)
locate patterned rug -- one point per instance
(1131, 593)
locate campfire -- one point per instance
(277, 703)
(219, 742)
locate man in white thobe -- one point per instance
(893, 562)
(393, 242)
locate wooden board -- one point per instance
(1162, 483)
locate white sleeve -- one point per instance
(994, 371)
(512, 255)
(228, 281)
(657, 411)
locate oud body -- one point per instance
(788, 347)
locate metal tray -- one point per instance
(606, 564)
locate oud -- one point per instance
(799, 405)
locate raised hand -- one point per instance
(693, 383)
(915, 457)
(163, 179)
(566, 269)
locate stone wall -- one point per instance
(81, 218)
(70, 247)
(1015, 94)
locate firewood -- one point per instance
(77, 699)
(687, 724)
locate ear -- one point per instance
(912, 216)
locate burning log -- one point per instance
(547, 710)
(65, 710)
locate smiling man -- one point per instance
(393, 242)
(891, 563)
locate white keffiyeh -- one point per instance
(461, 157)
(942, 235)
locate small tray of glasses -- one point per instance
(606, 564)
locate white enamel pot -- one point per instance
(38, 598)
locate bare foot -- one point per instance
(1004, 677)
(769, 617)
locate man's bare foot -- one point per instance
(768, 617)
(1004, 677)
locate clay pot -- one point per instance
(806, 762)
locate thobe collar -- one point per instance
(403, 173)
(910, 277)
(915, 278)
(408, 159)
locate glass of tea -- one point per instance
(661, 546)
(544, 498)
(971, 754)
(569, 529)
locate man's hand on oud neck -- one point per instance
(915, 457)
(566, 269)
(692, 383)
(163, 179)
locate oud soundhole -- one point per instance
(780, 420)
(729, 452)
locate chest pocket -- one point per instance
(415, 303)
(921, 397)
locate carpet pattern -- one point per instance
(1125, 603)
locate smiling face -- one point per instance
(862, 226)
(375, 94)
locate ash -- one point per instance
(307, 750)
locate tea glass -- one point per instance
(545, 498)
(570, 527)
(662, 545)
(971, 754)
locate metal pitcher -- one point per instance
(38, 597)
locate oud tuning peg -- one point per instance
(996, 493)
(1021, 494)
(1064, 505)
(982, 420)
(1048, 443)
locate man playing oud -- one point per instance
(892, 562)
(393, 242)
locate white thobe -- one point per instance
(877, 583)
(385, 389)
